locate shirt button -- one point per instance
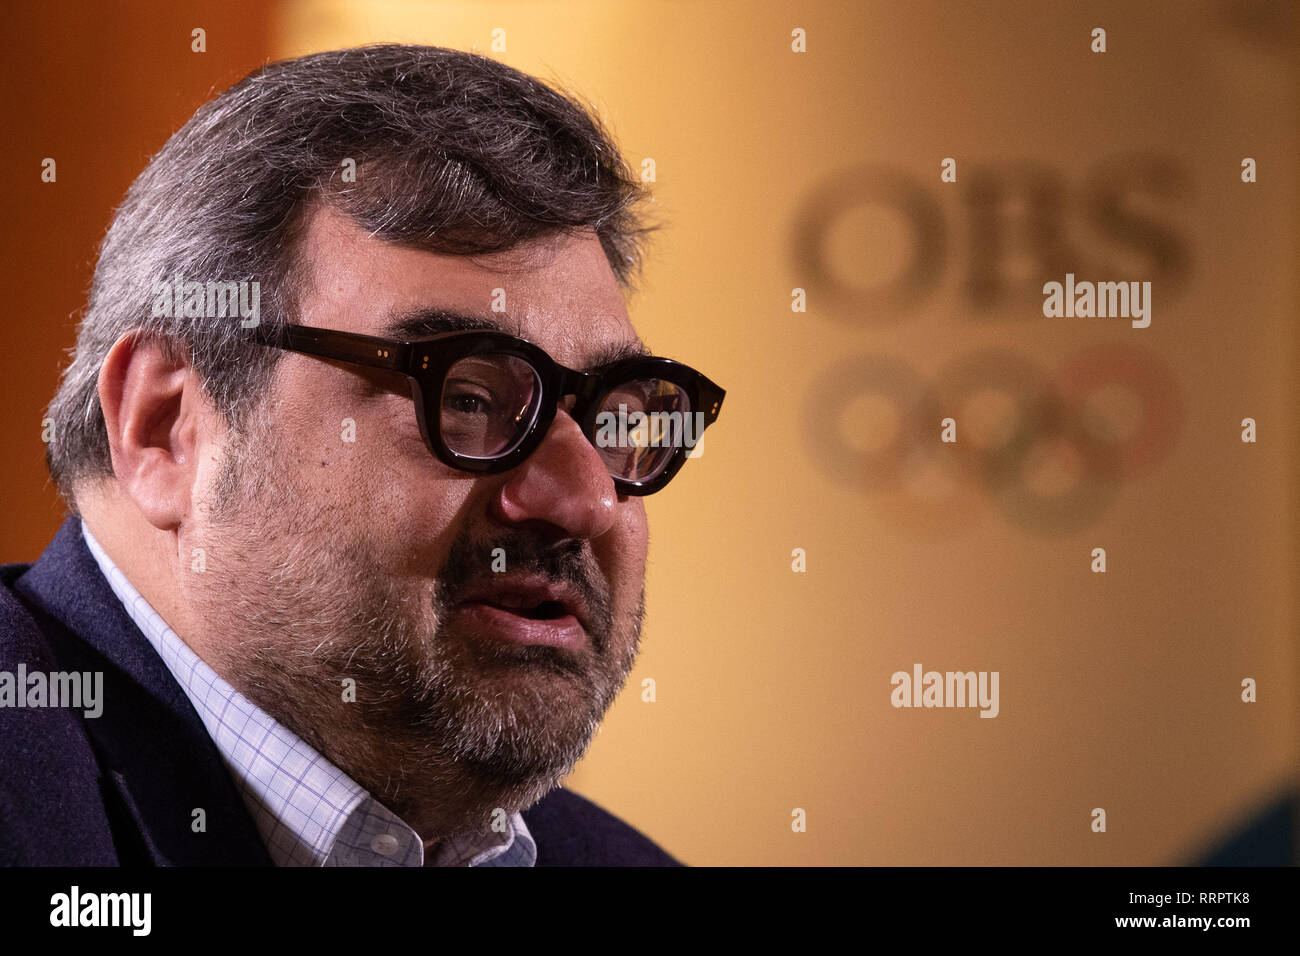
(385, 844)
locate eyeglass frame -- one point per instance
(426, 362)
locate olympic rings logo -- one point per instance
(1052, 417)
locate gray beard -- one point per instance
(444, 730)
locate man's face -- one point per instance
(338, 548)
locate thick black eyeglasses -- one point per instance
(484, 400)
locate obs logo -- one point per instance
(1003, 229)
(1050, 449)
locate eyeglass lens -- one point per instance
(639, 426)
(489, 402)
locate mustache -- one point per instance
(470, 564)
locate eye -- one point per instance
(466, 403)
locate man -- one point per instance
(355, 436)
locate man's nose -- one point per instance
(564, 483)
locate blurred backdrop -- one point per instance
(819, 263)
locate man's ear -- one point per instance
(158, 421)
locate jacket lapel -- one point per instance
(170, 798)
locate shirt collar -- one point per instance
(308, 811)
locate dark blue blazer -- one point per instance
(119, 789)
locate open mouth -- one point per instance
(544, 611)
(528, 609)
(550, 623)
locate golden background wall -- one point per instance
(776, 171)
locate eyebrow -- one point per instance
(426, 323)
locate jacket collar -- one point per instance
(155, 753)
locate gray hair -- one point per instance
(454, 152)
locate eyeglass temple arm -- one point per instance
(344, 346)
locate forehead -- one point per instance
(558, 292)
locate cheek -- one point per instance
(625, 551)
(410, 506)
(367, 448)
(359, 462)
